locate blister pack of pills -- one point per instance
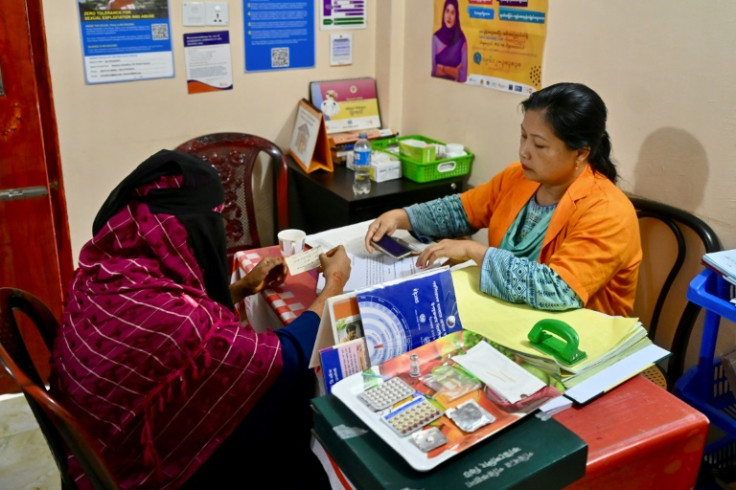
(412, 416)
(428, 439)
(470, 416)
(382, 396)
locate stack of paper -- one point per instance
(609, 341)
(723, 262)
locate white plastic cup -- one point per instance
(291, 241)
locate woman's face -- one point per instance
(450, 15)
(544, 157)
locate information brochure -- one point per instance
(402, 315)
(369, 326)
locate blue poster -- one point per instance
(125, 40)
(279, 35)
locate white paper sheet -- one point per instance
(304, 261)
(376, 269)
(503, 375)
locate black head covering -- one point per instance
(192, 203)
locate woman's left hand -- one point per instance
(269, 272)
(456, 251)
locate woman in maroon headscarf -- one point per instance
(152, 358)
(449, 46)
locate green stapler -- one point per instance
(558, 339)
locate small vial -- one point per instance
(414, 365)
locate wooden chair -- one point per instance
(667, 235)
(235, 155)
(60, 428)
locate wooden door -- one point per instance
(35, 252)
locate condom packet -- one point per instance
(469, 416)
(450, 381)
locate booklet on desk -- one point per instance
(400, 315)
(342, 360)
(392, 317)
(349, 354)
(723, 262)
(532, 454)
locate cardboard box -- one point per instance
(416, 149)
(384, 166)
(350, 137)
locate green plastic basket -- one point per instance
(426, 172)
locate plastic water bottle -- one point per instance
(362, 165)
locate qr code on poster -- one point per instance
(279, 57)
(160, 32)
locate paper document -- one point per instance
(723, 262)
(376, 269)
(555, 405)
(304, 261)
(500, 373)
(616, 374)
(352, 237)
(601, 336)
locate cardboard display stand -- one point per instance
(309, 144)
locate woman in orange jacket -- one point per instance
(561, 235)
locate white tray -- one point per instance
(348, 389)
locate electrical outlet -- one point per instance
(217, 14)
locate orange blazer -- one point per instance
(593, 237)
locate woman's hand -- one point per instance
(336, 269)
(269, 272)
(457, 251)
(386, 224)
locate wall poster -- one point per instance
(279, 35)
(496, 44)
(342, 14)
(207, 55)
(125, 40)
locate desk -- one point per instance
(638, 435)
(323, 200)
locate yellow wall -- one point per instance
(664, 67)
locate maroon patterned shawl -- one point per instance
(156, 370)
